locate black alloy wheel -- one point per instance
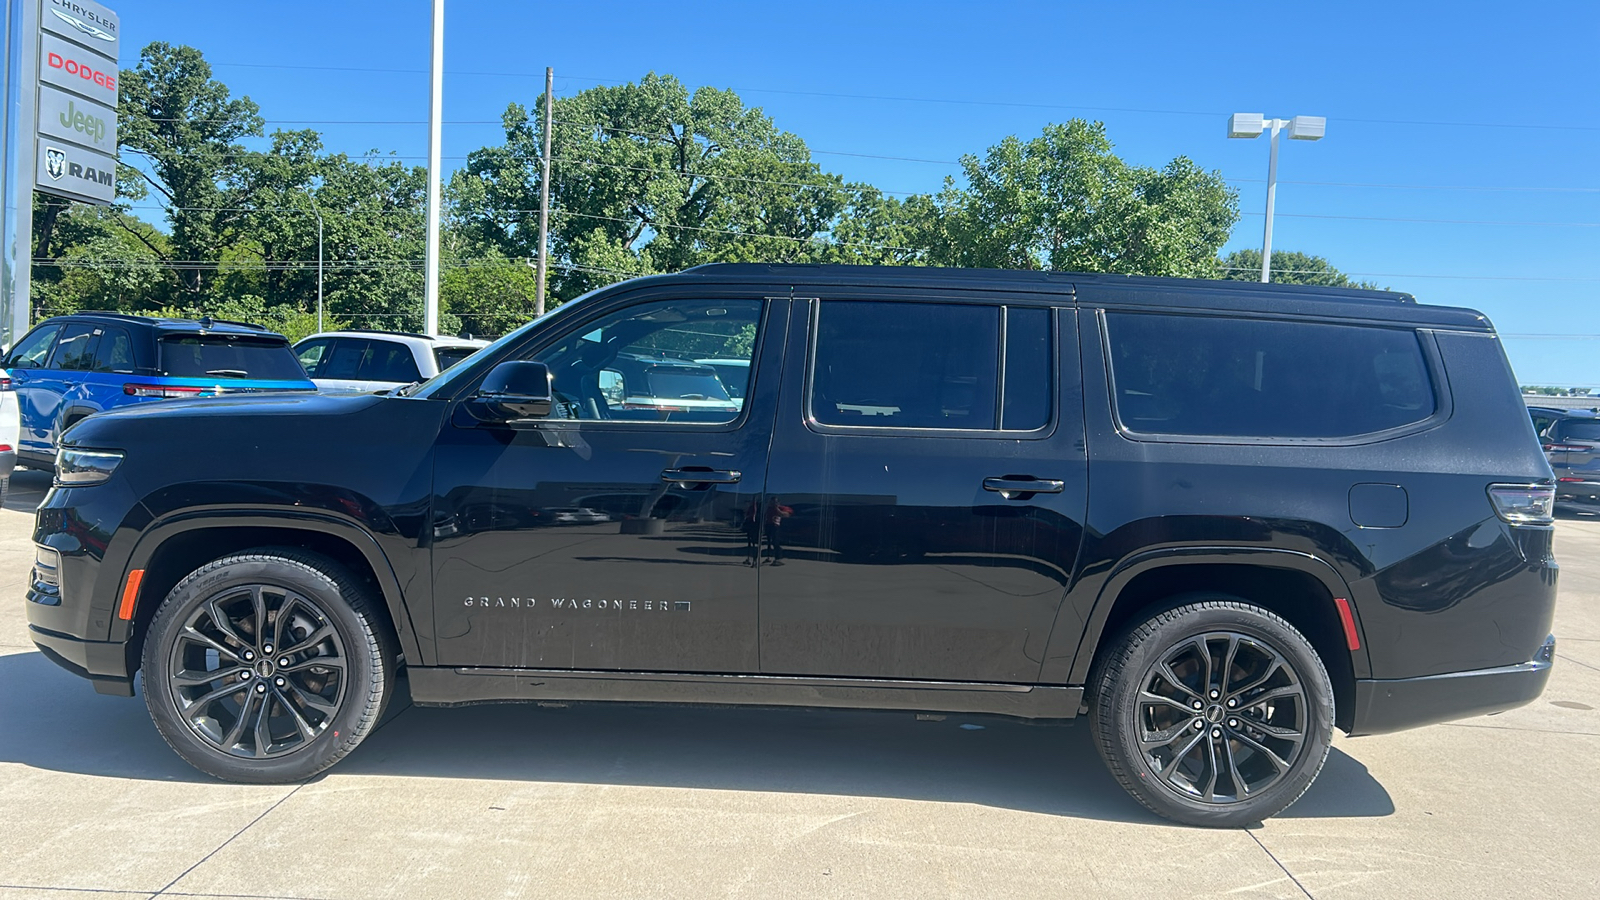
(1214, 712)
(258, 670)
(267, 666)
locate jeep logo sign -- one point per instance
(79, 121)
(76, 172)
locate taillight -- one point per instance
(5, 448)
(1569, 479)
(1558, 448)
(5, 383)
(161, 390)
(1524, 504)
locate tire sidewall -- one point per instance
(1168, 632)
(363, 671)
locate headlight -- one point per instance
(76, 468)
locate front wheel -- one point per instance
(1214, 713)
(267, 666)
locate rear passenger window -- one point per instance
(75, 351)
(1204, 375)
(390, 361)
(931, 365)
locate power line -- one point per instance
(1429, 221)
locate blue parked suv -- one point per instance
(72, 366)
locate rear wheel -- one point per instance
(267, 666)
(1214, 713)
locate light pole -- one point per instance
(318, 214)
(1301, 128)
(430, 302)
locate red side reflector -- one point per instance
(130, 595)
(1348, 619)
(161, 390)
(1558, 479)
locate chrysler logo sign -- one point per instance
(90, 30)
(55, 162)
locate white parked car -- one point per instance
(10, 431)
(360, 360)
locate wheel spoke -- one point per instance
(224, 624)
(1278, 762)
(189, 633)
(311, 640)
(263, 727)
(313, 700)
(1240, 787)
(259, 601)
(1291, 690)
(231, 739)
(327, 662)
(1227, 664)
(1210, 792)
(1178, 759)
(1277, 731)
(1203, 645)
(1172, 678)
(300, 723)
(1265, 677)
(1164, 738)
(190, 678)
(197, 706)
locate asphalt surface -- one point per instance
(525, 801)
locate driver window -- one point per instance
(31, 351)
(648, 363)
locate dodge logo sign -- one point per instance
(55, 162)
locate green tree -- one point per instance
(648, 177)
(1064, 201)
(488, 295)
(1288, 267)
(185, 126)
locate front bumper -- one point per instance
(1385, 705)
(103, 662)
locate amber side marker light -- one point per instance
(130, 595)
(1346, 618)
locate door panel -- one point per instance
(561, 545)
(898, 560)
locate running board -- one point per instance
(442, 686)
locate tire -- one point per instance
(1263, 725)
(282, 722)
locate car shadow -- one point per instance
(27, 490)
(55, 721)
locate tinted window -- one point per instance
(1029, 380)
(390, 361)
(344, 360)
(31, 352)
(638, 364)
(229, 356)
(75, 350)
(1204, 375)
(115, 351)
(310, 354)
(449, 356)
(906, 365)
(1579, 431)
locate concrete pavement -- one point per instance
(524, 801)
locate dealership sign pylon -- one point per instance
(75, 116)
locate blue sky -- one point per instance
(1459, 163)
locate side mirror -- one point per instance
(515, 390)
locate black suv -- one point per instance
(1217, 519)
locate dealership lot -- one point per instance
(586, 801)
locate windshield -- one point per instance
(684, 383)
(264, 358)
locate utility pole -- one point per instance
(430, 307)
(544, 191)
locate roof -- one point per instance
(1102, 288)
(439, 340)
(214, 326)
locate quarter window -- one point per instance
(1215, 376)
(931, 365)
(115, 352)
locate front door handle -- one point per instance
(1013, 488)
(701, 476)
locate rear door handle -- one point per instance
(1021, 488)
(701, 476)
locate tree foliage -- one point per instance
(1288, 267)
(648, 177)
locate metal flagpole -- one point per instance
(430, 312)
(544, 191)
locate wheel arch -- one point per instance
(1297, 586)
(172, 549)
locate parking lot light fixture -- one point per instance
(1300, 128)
